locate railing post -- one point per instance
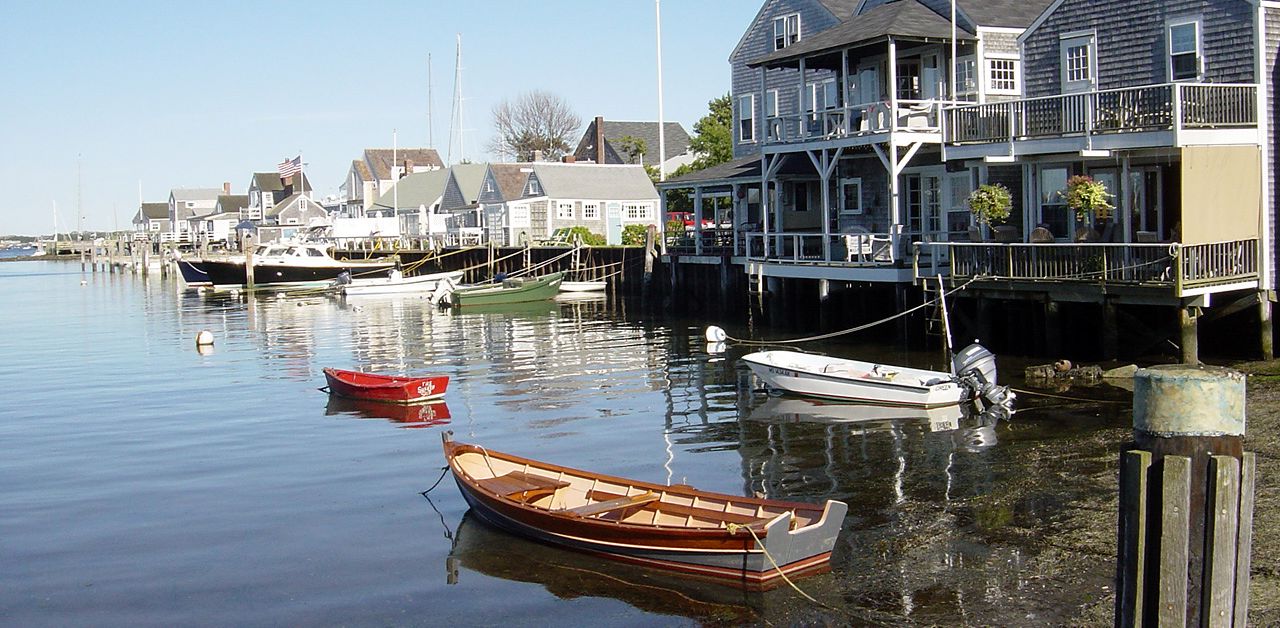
(1177, 114)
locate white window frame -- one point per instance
(786, 30)
(562, 214)
(637, 211)
(155, 225)
(967, 86)
(1069, 41)
(747, 119)
(1198, 51)
(992, 59)
(844, 209)
(534, 189)
(190, 205)
(591, 211)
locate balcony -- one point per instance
(860, 123)
(1182, 269)
(1171, 114)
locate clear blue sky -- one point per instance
(192, 94)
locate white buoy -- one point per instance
(204, 338)
(715, 334)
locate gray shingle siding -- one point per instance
(757, 42)
(1131, 42)
(994, 41)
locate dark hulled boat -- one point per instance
(291, 264)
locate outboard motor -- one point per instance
(975, 368)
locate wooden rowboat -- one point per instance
(509, 291)
(385, 388)
(746, 541)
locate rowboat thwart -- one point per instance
(385, 388)
(747, 541)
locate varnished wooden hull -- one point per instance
(711, 543)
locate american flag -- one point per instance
(290, 167)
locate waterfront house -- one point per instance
(185, 203)
(461, 203)
(415, 201)
(269, 189)
(152, 219)
(377, 169)
(633, 143)
(603, 198)
(218, 226)
(503, 183)
(869, 130)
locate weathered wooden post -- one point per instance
(248, 261)
(649, 253)
(1186, 501)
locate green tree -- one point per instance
(634, 147)
(712, 139)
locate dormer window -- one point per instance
(533, 188)
(786, 30)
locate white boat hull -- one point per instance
(401, 285)
(582, 286)
(854, 380)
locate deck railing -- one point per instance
(849, 249)
(1182, 267)
(854, 120)
(1148, 108)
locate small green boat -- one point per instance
(510, 291)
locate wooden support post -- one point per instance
(649, 238)
(1186, 501)
(1188, 326)
(1052, 328)
(248, 266)
(1110, 331)
(1266, 345)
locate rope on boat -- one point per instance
(443, 470)
(712, 331)
(1080, 399)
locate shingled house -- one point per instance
(373, 173)
(622, 142)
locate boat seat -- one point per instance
(620, 503)
(522, 486)
(698, 511)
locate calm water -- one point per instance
(145, 483)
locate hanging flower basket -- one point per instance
(1086, 195)
(990, 203)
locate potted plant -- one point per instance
(1086, 195)
(990, 203)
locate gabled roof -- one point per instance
(677, 141)
(287, 202)
(595, 181)
(841, 9)
(469, 178)
(511, 179)
(910, 19)
(194, 194)
(233, 202)
(1004, 13)
(361, 169)
(379, 160)
(419, 188)
(268, 181)
(155, 211)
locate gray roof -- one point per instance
(909, 19)
(594, 181)
(233, 202)
(1003, 13)
(469, 178)
(842, 9)
(677, 141)
(511, 179)
(746, 169)
(419, 188)
(271, 182)
(155, 211)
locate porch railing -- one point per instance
(853, 249)
(1182, 267)
(1149, 108)
(855, 120)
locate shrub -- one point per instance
(633, 235)
(588, 238)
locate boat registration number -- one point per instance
(782, 372)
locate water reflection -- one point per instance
(412, 415)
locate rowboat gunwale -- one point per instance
(383, 383)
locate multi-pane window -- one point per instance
(1003, 75)
(786, 30)
(851, 196)
(1184, 51)
(1078, 63)
(746, 118)
(564, 211)
(966, 77)
(590, 211)
(636, 212)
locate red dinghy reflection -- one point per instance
(411, 415)
(385, 388)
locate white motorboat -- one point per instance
(801, 410)
(398, 284)
(817, 375)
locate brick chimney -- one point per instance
(601, 155)
(568, 159)
(408, 166)
(226, 188)
(537, 155)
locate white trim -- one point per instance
(1008, 30)
(738, 122)
(990, 87)
(1169, 24)
(1088, 32)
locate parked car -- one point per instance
(687, 219)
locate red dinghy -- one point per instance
(385, 388)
